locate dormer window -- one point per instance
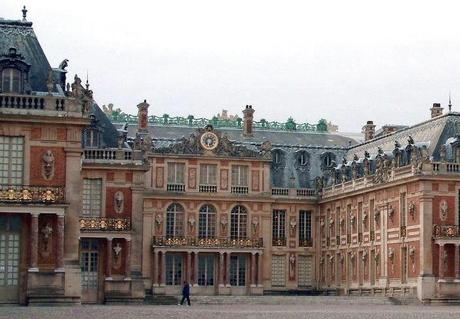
(278, 157)
(92, 138)
(303, 159)
(13, 73)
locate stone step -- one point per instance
(160, 300)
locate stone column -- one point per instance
(227, 270)
(163, 269)
(155, 268)
(221, 270)
(259, 270)
(128, 259)
(457, 262)
(109, 259)
(253, 270)
(34, 242)
(195, 269)
(441, 261)
(189, 267)
(60, 243)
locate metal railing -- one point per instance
(207, 242)
(279, 241)
(32, 194)
(104, 224)
(306, 242)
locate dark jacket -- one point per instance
(186, 290)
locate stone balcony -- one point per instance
(195, 242)
(112, 156)
(31, 194)
(298, 193)
(42, 105)
(97, 224)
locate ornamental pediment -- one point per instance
(207, 141)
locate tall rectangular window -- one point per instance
(304, 225)
(371, 214)
(208, 174)
(11, 160)
(176, 173)
(359, 218)
(238, 270)
(92, 197)
(279, 227)
(239, 175)
(206, 270)
(348, 219)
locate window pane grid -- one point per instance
(92, 197)
(175, 221)
(11, 160)
(207, 222)
(176, 173)
(304, 225)
(279, 224)
(238, 223)
(239, 175)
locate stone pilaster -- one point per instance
(457, 262)
(128, 259)
(155, 268)
(108, 271)
(34, 242)
(253, 270)
(60, 243)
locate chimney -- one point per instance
(369, 131)
(142, 117)
(436, 110)
(248, 119)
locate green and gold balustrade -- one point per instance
(207, 242)
(25, 194)
(104, 224)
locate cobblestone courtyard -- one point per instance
(201, 311)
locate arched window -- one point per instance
(278, 157)
(238, 222)
(11, 81)
(207, 222)
(175, 220)
(303, 159)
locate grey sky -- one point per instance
(346, 61)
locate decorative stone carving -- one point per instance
(443, 153)
(158, 221)
(341, 258)
(391, 212)
(118, 200)
(331, 259)
(292, 226)
(391, 258)
(321, 223)
(412, 257)
(331, 222)
(117, 250)
(365, 216)
(352, 219)
(116, 257)
(412, 210)
(377, 216)
(191, 222)
(383, 167)
(48, 162)
(443, 210)
(255, 225)
(364, 256)
(292, 266)
(50, 82)
(223, 223)
(46, 231)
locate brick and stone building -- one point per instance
(101, 206)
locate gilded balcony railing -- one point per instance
(104, 224)
(446, 231)
(279, 241)
(306, 242)
(207, 242)
(32, 194)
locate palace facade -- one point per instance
(99, 206)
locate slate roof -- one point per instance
(433, 132)
(20, 35)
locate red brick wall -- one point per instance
(36, 154)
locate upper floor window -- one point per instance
(176, 173)
(207, 222)
(175, 220)
(327, 159)
(239, 175)
(238, 222)
(11, 81)
(11, 160)
(92, 197)
(304, 225)
(91, 138)
(279, 227)
(303, 159)
(208, 174)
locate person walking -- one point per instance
(185, 293)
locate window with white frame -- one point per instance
(175, 220)
(304, 225)
(11, 160)
(92, 197)
(238, 222)
(176, 173)
(240, 175)
(208, 174)
(207, 222)
(205, 270)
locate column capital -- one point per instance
(35, 214)
(60, 214)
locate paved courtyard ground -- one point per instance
(317, 311)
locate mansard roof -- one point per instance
(433, 133)
(21, 36)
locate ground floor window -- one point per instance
(305, 271)
(174, 269)
(89, 263)
(238, 270)
(206, 270)
(278, 271)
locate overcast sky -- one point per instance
(345, 61)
